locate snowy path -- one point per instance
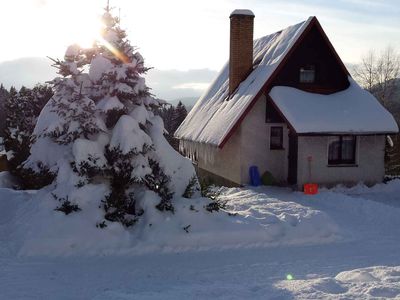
(370, 238)
(236, 274)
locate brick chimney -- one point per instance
(241, 47)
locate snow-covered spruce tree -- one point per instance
(166, 112)
(180, 114)
(172, 117)
(99, 129)
(22, 110)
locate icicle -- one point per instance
(195, 151)
(389, 141)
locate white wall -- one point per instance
(369, 167)
(255, 145)
(223, 162)
(249, 145)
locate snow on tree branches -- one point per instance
(22, 110)
(99, 130)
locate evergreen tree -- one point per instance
(3, 98)
(180, 114)
(173, 117)
(22, 110)
(101, 129)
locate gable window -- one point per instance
(307, 74)
(276, 138)
(342, 150)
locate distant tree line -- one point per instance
(19, 110)
(173, 117)
(378, 73)
(19, 113)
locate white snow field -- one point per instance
(343, 243)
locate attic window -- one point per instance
(307, 74)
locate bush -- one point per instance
(268, 179)
(191, 188)
(66, 207)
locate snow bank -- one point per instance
(258, 221)
(348, 111)
(6, 180)
(259, 217)
(380, 282)
(391, 187)
(285, 222)
(178, 168)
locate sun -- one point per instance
(86, 33)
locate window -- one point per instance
(276, 141)
(307, 74)
(342, 150)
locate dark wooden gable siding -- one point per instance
(313, 50)
(272, 115)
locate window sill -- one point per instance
(277, 148)
(343, 166)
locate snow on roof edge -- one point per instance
(332, 114)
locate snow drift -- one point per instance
(254, 220)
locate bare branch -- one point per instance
(376, 72)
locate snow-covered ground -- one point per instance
(340, 244)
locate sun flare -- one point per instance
(86, 34)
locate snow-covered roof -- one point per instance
(353, 110)
(214, 115)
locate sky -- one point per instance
(185, 35)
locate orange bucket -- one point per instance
(310, 188)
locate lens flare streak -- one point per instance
(121, 56)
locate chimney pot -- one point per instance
(242, 12)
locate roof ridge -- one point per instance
(212, 120)
(281, 30)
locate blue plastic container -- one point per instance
(255, 179)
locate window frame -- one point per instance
(340, 161)
(273, 146)
(308, 69)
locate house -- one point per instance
(286, 104)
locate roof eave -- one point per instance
(335, 133)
